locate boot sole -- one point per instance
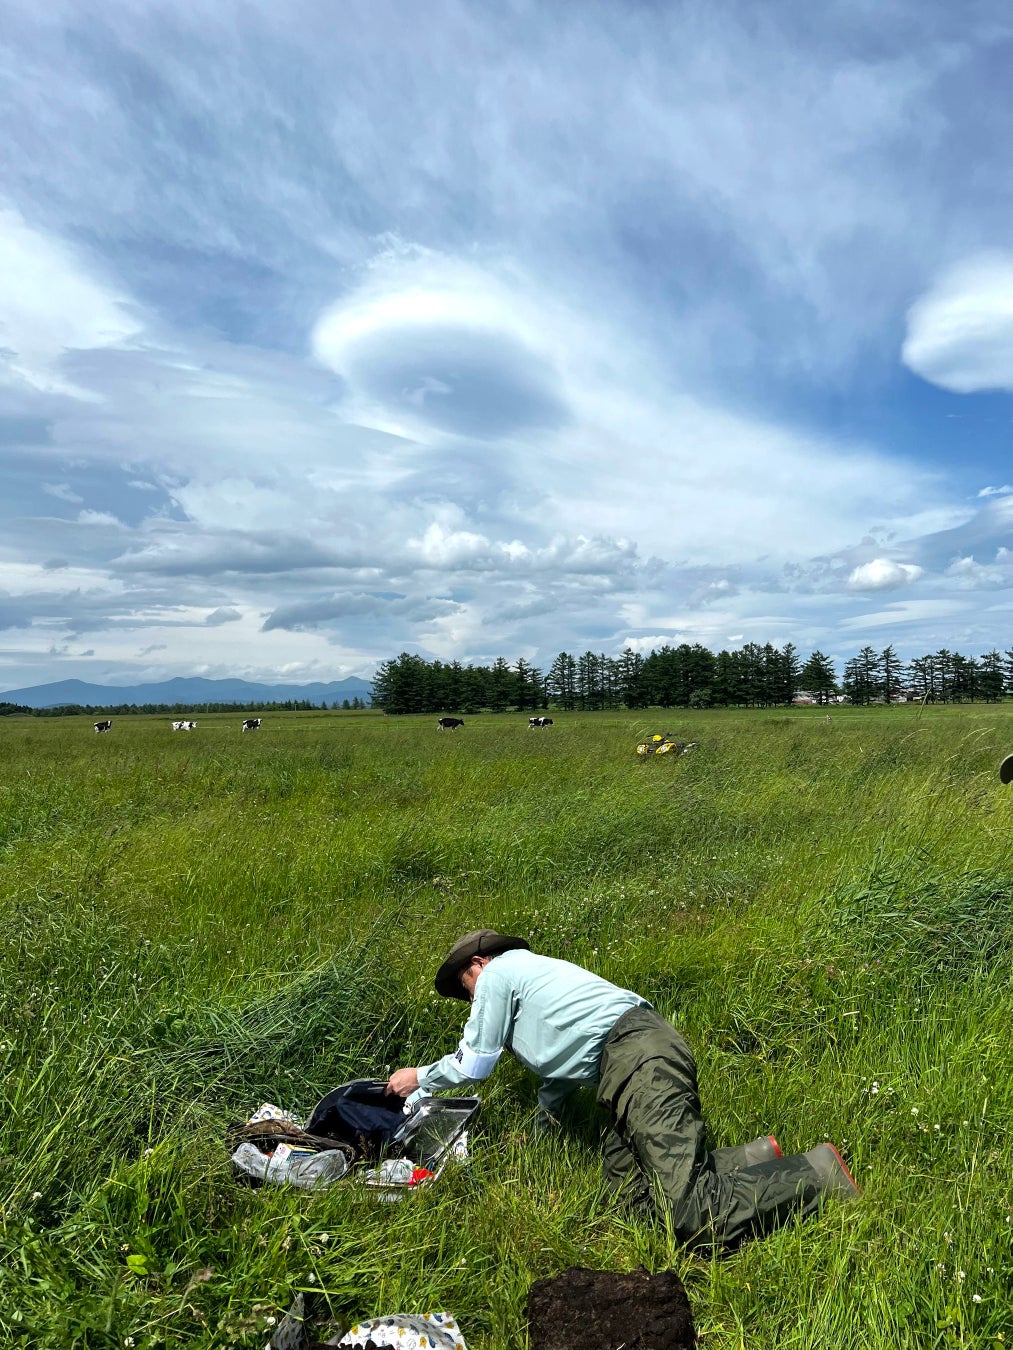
(844, 1168)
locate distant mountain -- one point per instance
(183, 690)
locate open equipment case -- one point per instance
(360, 1133)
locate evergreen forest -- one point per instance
(688, 676)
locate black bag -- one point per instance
(361, 1115)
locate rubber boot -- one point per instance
(756, 1151)
(832, 1170)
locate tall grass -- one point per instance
(194, 924)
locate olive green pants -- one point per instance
(657, 1156)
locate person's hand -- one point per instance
(402, 1082)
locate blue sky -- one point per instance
(329, 331)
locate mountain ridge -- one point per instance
(184, 689)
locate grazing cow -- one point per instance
(103, 726)
(449, 723)
(183, 726)
(251, 723)
(539, 722)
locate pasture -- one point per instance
(194, 924)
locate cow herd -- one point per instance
(249, 724)
(452, 723)
(252, 723)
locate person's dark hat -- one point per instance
(483, 942)
(1006, 770)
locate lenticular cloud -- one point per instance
(431, 345)
(960, 333)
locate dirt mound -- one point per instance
(604, 1310)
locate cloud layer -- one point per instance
(520, 329)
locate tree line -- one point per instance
(687, 676)
(126, 709)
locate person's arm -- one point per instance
(485, 1035)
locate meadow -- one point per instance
(194, 924)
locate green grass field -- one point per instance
(193, 924)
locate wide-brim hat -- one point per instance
(1006, 770)
(483, 942)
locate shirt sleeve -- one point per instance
(485, 1035)
(552, 1094)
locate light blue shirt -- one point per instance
(554, 1017)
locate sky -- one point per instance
(333, 331)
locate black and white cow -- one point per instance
(183, 726)
(539, 722)
(103, 726)
(251, 723)
(449, 723)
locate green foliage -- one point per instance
(192, 925)
(686, 676)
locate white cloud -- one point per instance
(927, 614)
(27, 579)
(442, 548)
(49, 304)
(62, 491)
(432, 346)
(646, 644)
(960, 333)
(881, 574)
(1005, 491)
(89, 517)
(968, 574)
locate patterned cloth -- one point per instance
(431, 1331)
(271, 1112)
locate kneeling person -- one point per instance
(573, 1028)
